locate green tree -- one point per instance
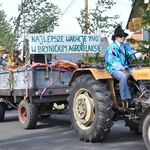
(6, 35)
(98, 21)
(35, 16)
(145, 23)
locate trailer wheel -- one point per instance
(27, 115)
(90, 108)
(146, 131)
(2, 111)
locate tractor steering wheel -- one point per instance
(138, 61)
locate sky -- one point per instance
(68, 23)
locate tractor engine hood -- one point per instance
(142, 73)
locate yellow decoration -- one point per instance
(1, 47)
(46, 76)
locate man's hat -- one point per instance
(119, 31)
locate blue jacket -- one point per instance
(115, 57)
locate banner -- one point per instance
(53, 43)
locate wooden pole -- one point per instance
(24, 34)
(86, 16)
(86, 23)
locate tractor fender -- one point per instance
(146, 112)
(98, 74)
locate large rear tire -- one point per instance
(90, 108)
(146, 131)
(2, 111)
(27, 115)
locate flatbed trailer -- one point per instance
(39, 86)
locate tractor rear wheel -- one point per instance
(146, 131)
(27, 115)
(90, 108)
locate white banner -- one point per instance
(53, 43)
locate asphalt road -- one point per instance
(55, 133)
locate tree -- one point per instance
(144, 23)
(98, 22)
(35, 16)
(6, 35)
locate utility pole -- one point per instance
(86, 22)
(86, 16)
(24, 31)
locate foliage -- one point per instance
(145, 23)
(142, 44)
(7, 37)
(143, 20)
(145, 17)
(97, 22)
(135, 25)
(145, 63)
(35, 16)
(92, 59)
(10, 79)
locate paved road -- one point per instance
(55, 133)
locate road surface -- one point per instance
(55, 133)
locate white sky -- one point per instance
(68, 23)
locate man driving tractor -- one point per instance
(118, 63)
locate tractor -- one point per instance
(94, 102)
(88, 93)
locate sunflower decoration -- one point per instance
(1, 47)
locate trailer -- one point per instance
(33, 90)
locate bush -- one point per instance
(146, 62)
(92, 59)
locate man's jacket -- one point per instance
(115, 57)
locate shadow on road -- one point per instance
(52, 121)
